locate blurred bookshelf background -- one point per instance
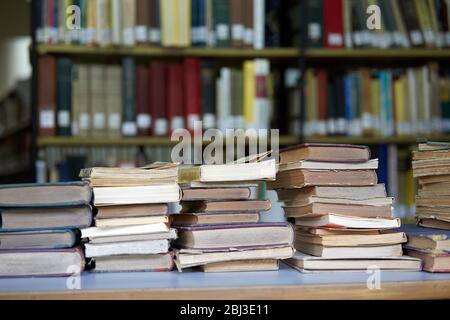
(111, 91)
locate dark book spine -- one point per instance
(129, 127)
(221, 17)
(64, 96)
(314, 23)
(208, 96)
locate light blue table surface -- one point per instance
(150, 280)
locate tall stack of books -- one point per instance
(219, 228)
(132, 227)
(39, 228)
(431, 165)
(343, 218)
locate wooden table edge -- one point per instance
(389, 290)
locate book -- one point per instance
(129, 126)
(34, 218)
(64, 96)
(338, 221)
(158, 100)
(47, 95)
(95, 232)
(423, 239)
(235, 236)
(44, 239)
(350, 193)
(333, 24)
(432, 262)
(45, 195)
(314, 23)
(126, 248)
(302, 178)
(129, 221)
(226, 206)
(175, 96)
(187, 259)
(105, 196)
(307, 201)
(214, 218)
(114, 96)
(433, 222)
(134, 263)
(215, 194)
(132, 210)
(317, 165)
(221, 18)
(325, 153)
(168, 235)
(360, 252)
(241, 266)
(229, 172)
(41, 262)
(192, 87)
(143, 111)
(307, 263)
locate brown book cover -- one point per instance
(325, 153)
(214, 218)
(226, 206)
(142, 21)
(302, 178)
(47, 95)
(237, 23)
(248, 23)
(133, 210)
(216, 194)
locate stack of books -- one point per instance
(343, 218)
(431, 165)
(219, 228)
(39, 233)
(132, 227)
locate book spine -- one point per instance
(259, 24)
(143, 117)
(129, 126)
(47, 95)
(64, 96)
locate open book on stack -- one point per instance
(340, 210)
(39, 225)
(219, 228)
(431, 165)
(132, 225)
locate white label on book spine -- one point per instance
(416, 37)
(357, 38)
(429, 36)
(154, 35)
(222, 32)
(367, 120)
(40, 35)
(99, 120)
(177, 123)
(331, 126)
(83, 36)
(321, 127)
(90, 35)
(447, 38)
(141, 33)
(161, 127)
(84, 121)
(341, 125)
(129, 129)
(47, 119)
(105, 37)
(194, 34)
(128, 36)
(237, 32)
(335, 39)
(63, 118)
(314, 30)
(191, 119)
(144, 121)
(202, 35)
(209, 120)
(114, 120)
(248, 36)
(75, 128)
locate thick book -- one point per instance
(432, 262)
(325, 153)
(158, 98)
(143, 112)
(303, 178)
(45, 195)
(43, 239)
(167, 235)
(235, 236)
(333, 23)
(241, 266)
(361, 252)
(143, 12)
(318, 165)
(129, 221)
(428, 240)
(192, 87)
(186, 259)
(64, 96)
(126, 248)
(95, 232)
(339, 221)
(215, 194)
(214, 218)
(72, 217)
(265, 170)
(175, 96)
(129, 126)
(351, 210)
(134, 263)
(307, 263)
(226, 206)
(41, 262)
(132, 210)
(47, 95)
(307, 201)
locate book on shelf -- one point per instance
(140, 247)
(241, 266)
(226, 206)
(215, 218)
(38, 239)
(133, 263)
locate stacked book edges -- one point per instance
(219, 228)
(132, 227)
(343, 218)
(431, 165)
(39, 228)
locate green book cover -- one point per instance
(129, 127)
(221, 17)
(314, 23)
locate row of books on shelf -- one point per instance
(377, 24)
(168, 23)
(379, 102)
(133, 99)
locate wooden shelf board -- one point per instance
(377, 53)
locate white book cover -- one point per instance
(126, 248)
(258, 24)
(94, 232)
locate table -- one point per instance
(286, 283)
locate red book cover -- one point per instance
(175, 96)
(142, 102)
(157, 98)
(50, 20)
(47, 95)
(322, 88)
(333, 23)
(192, 86)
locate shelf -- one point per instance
(132, 141)
(286, 283)
(247, 53)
